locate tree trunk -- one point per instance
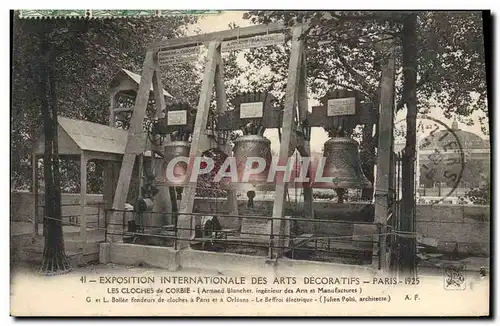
(54, 257)
(408, 244)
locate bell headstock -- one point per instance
(253, 110)
(341, 111)
(179, 120)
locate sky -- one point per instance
(219, 22)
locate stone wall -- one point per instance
(462, 229)
(457, 228)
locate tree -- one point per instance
(54, 257)
(342, 52)
(62, 66)
(90, 53)
(442, 60)
(482, 194)
(352, 64)
(410, 66)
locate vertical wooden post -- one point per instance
(141, 173)
(384, 151)
(158, 94)
(135, 145)
(232, 200)
(187, 203)
(108, 173)
(163, 200)
(288, 118)
(35, 193)
(417, 165)
(306, 150)
(112, 104)
(83, 200)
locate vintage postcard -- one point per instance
(250, 163)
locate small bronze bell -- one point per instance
(342, 163)
(172, 150)
(246, 147)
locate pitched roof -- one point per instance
(137, 79)
(94, 137)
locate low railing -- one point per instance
(294, 237)
(74, 219)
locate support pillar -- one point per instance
(112, 104)
(83, 200)
(135, 146)
(232, 199)
(305, 147)
(186, 222)
(288, 121)
(380, 259)
(163, 200)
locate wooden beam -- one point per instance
(158, 94)
(83, 201)
(187, 203)
(384, 151)
(163, 200)
(112, 109)
(220, 91)
(110, 166)
(288, 117)
(226, 35)
(302, 88)
(141, 173)
(133, 147)
(305, 144)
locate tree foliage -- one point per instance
(343, 51)
(88, 53)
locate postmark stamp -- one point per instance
(454, 277)
(440, 159)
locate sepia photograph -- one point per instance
(225, 163)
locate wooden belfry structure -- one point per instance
(293, 116)
(213, 75)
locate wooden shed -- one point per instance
(86, 141)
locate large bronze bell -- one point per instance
(245, 147)
(342, 163)
(172, 150)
